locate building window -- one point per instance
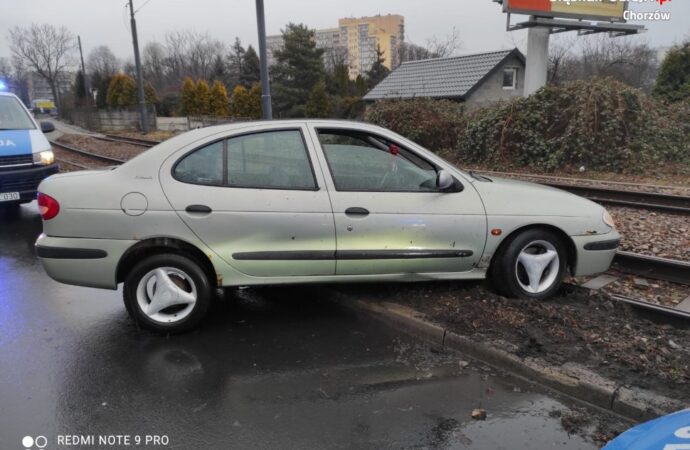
(510, 78)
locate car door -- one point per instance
(256, 200)
(389, 215)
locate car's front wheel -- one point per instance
(531, 265)
(167, 293)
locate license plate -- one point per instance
(9, 196)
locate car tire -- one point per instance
(167, 293)
(536, 252)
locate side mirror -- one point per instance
(47, 127)
(443, 180)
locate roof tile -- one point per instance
(440, 77)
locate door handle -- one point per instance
(357, 212)
(198, 209)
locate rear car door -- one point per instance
(256, 200)
(389, 216)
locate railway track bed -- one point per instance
(146, 143)
(120, 151)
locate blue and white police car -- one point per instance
(26, 157)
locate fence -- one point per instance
(111, 119)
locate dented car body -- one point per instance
(308, 201)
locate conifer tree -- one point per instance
(202, 97)
(318, 105)
(122, 91)
(218, 100)
(188, 98)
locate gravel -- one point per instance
(65, 158)
(651, 233)
(658, 292)
(106, 148)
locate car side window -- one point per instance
(203, 166)
(273, 160)
(364, 162)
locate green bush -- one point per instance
(434, 124)
(601, 124)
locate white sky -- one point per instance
(480, 23)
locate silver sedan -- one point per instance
(308, 201)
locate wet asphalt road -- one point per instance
(272, 368)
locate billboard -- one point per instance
(606, 10)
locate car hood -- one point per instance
(502, 196)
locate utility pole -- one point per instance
(265, 87)
(140, 77)
(83, 72)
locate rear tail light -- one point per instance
(48, 207)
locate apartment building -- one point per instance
(362, 36)
(355, 41)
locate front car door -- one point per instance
(256, 200)
(389, 216)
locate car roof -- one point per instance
(7, 94)
(286, 122)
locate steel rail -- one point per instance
(668, 310)
(654, 267)
(129, 140)
(87, 153)
(72, 163)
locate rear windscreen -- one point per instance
(13, 116)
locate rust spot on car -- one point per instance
(219, 279)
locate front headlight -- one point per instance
(46, 158)
(608, 220)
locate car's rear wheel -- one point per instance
(167, 293)
(531, 265)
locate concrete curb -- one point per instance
(571, 379)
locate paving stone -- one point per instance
(640, 283)
(684, 305)
(599, 282)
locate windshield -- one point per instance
(13, 116)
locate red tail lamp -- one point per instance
(48, 207)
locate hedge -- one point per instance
(600, 124)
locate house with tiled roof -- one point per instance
(474, 79)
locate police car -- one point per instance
(26, 157)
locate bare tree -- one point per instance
(154, 65)
(102, 61)
(629, 60)
(191, 54)
(413, 52)
(435, 48)
(46, 50)
(559, 51)
(5, 69)
(445, 46)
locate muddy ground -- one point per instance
(614, 339)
